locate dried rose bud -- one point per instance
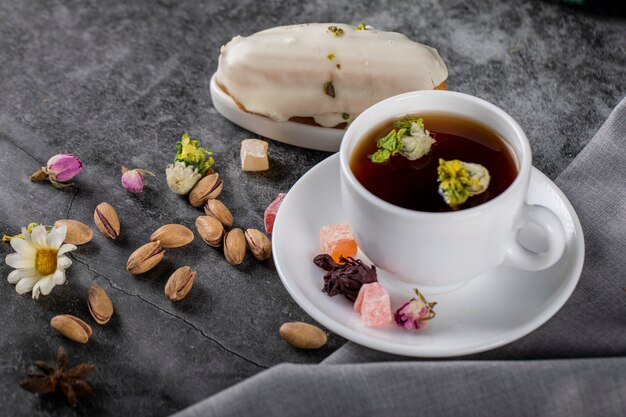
(416, 313)
(132, 180)
(59, 169)
(64, 167)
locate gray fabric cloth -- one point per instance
(574, 365)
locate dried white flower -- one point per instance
(417, 143)
(181, 178)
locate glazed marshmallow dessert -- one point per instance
(328, 72)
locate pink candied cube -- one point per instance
(337, 240)
(270, 212)
(374, 305)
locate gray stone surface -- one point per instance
(118, 82)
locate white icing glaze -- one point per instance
(281, 72)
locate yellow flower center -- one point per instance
(46, 261)
(190, 150)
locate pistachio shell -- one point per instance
(99, 303)
(172, 236)
(303, 335)
(71, 327)
(77, 233)
(235, 246)
(207, 188)
(259, 244)
(107, 221)
(210, 230)
(179, 284)
(145, 258)
(219, 210)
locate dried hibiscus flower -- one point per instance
(345, 278)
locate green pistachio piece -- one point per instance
(329, 89)
(336, 31)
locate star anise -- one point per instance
(70, 382)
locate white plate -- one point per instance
(490, 311)
(298, 134)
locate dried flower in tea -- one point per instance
(409, 138)
(460, 180)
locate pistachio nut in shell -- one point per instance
(208, 187)
(71, 327)
(179, 284)
(145, 258)
(99, 303)
(259, 244)
(210, 229)
(303, 335)
(235, 246)
(172, 235)
(219, 210)
(106, 220)
(77, 233)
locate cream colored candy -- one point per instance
(254, 155)
(308, 71)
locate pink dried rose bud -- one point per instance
(64, 167)
(59, 169)
(415, 313)
(133, 179)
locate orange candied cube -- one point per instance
(337, 240)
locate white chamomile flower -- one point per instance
(40, 261)
(417, 143)
(181, 178)
(191, 163)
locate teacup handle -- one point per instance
(520, 257)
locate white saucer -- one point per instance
(490, 311)
(298, 134)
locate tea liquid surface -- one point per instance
(413, 184)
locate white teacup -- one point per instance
(444, 250)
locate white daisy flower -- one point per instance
(40, 261)
(181, 178)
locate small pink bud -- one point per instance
(415, 313)
(132, 180)
(63, 167)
